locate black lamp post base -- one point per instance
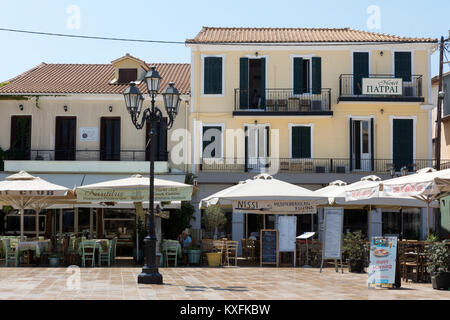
(150, 277)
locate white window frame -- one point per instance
(305, 57)
(391, 120)
(203, 56)
(310, 125)
(222, 125)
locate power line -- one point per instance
(89, 37)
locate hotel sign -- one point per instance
(275, 206)
(382, 86)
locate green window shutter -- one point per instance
(212, 75)
(243, 83)
(372, 145)
(403, 142)
(402, 66)
(298, 75)
(263, 82)
(360, 70)
(350, 143)
(205, 142)
(301, 142)
(316, 75)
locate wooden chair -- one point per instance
(410, 263)
(65, 250)
(270, 105)
(282, 105)
(88, 252)
(108, 255)
(170, 252)
(244, 248)
(231, 249)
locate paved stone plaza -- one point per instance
(200, 283)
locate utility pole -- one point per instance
(439, 106)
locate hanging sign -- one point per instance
(382, 86)
(121, 194)
(275, 206)
(383, 255)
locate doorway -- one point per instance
(360, 70)
(361, 155)
(65, 138)
(256, 146)
(255, 83)
(20, 143)
(110, 138)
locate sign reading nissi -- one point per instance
(382, 86)
(275, 206)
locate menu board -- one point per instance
(287, 228)
(269, 246)
(333, 221)
(383, 255)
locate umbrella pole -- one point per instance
(370, 221)
(21, 223)
(428, 217)
(246, 226)
(37, 223)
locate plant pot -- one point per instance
(53, 262)
(213, 259)
(356, 266)
(441, 281)
(193, 256)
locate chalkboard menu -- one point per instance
(269, 246)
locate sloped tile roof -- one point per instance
(89, 78)
(294, 35)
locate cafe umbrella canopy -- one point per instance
(426, 185)
(24, 191)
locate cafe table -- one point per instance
(38, 247)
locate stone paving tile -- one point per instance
(201, 283)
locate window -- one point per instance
(20, 143)
(302, 75)
(405, 223)
(301, 142)
(402, 65)
(127, 75)
(212, 144)
(212, 76)
(110, 138)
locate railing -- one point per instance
(350, 87)
(316, 165)
(83, 155)
(282, 100)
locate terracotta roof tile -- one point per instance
(294, 35)
(89, 78)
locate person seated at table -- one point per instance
(185, 241)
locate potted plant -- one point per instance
(193, 254)
(355, 248)
(139, 233)
(438, 262)
(214, 219)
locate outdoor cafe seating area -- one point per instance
(54, 252)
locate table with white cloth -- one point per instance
(101, 245)
(38, 247)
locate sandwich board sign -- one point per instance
(287, 230)
(269, 247)
(383, 263)
(332, 244)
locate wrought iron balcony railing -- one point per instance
(351, 88)
(282, 101)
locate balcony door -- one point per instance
(110, 138)
(403, 143)
(20, 143)
(256, 146)
(360, 70)
(65, 138)
(252, 83)
(361, 145)
(159, 145)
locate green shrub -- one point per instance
(355, 246)
(213, 218)
(438, 256)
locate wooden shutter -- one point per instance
(205, 143)
(298, 75)
(372, 145)
(301, 142)
(65, 138)
(350, 143)
(20, 139)
(403, 142)
(110, 138)
(403, 65)
(212, 75)
(127, 75)
(316, 75)
(360, 70)
(263, 82)
(243, 83)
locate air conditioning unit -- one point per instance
(341, 169)
(320, 169)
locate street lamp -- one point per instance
(133, 102)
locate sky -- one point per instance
(177, 20)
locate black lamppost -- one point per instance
(133, 101)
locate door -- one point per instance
(252, 83)
(20, 143)
(360, 70)
(361, 145)
(110, 139)
(65, 138)
(159, 145)
(257, 146)
(403, 143)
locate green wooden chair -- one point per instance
(10, 253)
(108, 256)
(170, 252)
(88, 252)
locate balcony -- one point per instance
(282, 102)
(84, 161)
(380, 87)
(315, 165)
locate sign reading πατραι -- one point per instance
(382, 86)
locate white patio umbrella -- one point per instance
(135, 189)
(24, 191)
(426, 185)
